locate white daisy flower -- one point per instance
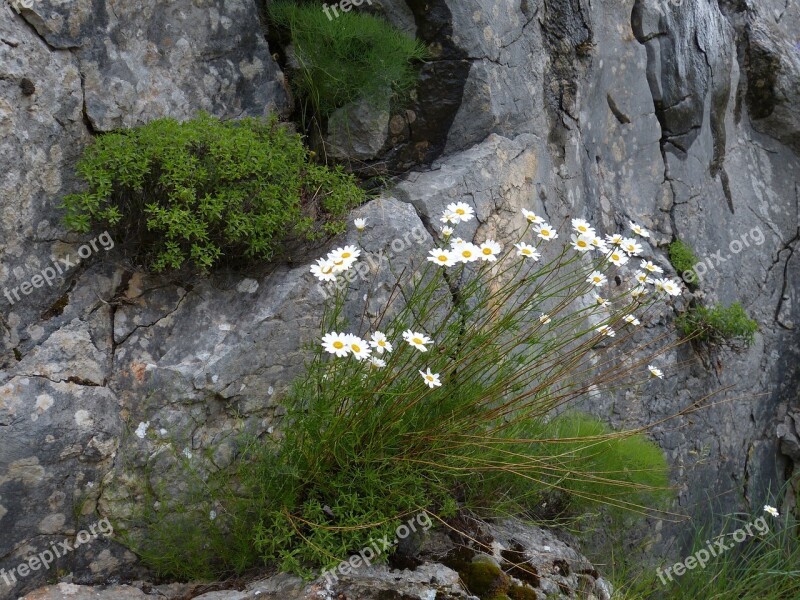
(489, 250)
(771, 510)
(380, 343)
(583, 227)
(431, 379)
(324, 270)
(418, 340)
(335, 343)
(601, 301)
(631, 320)
(360, 224)
(581, 243)
(463, 211)
(467, 252)
(638, 229)
(545, 319)
(442, 257)
(639, 292)
(212, 515)
(642, 278)
(648, 266)
(527, 251)
(632, 247)
(615, 240)
(449, 217)
(360, 348)
(597, 279)
(532, 217)
(599, 244)
(376, 362)
(447, 231)
(670, 286)
(545, 231)
(343, 258)
(187, 453)
(655, 372)
(618, 257)
(606, 330)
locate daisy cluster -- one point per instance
(338, 261)
(347, 344)
(613, 249)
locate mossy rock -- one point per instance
(521, 592)
(485, 579)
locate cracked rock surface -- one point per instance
(684, 119)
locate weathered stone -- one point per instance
(683, 118)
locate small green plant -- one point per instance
(345, 58)
(762, 567)
(205, 190)
(719, 324)
(448, 403)
(684, 260)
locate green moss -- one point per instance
(484, 579)
(684, 260)
(200, 191)
(519, 592)
(718, 325)
(354, 55)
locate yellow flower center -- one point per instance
(346, 255)
(459, 211)
(429, 377)
(338, 345)
(381, 343)
(416, 341)
(466, 254)
(442, 258)
(356, 348)
(582, 244)
(487, 251)
(326, 270)
(545, 232)
(526, 251)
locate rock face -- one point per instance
(524, 557)
(682, 117)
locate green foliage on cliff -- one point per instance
(467, 416)
(719, 324)
(758, 564)
(684, 260)
(205, 190)
(345, 57)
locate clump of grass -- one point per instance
(370, 437)
(349, 57)
(683, 258)
(763, 567)
(204, 190)
(718, 324)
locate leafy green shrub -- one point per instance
(371, 439)
(718, 325)
(204, 189)
(684, 260)
(346, 58)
